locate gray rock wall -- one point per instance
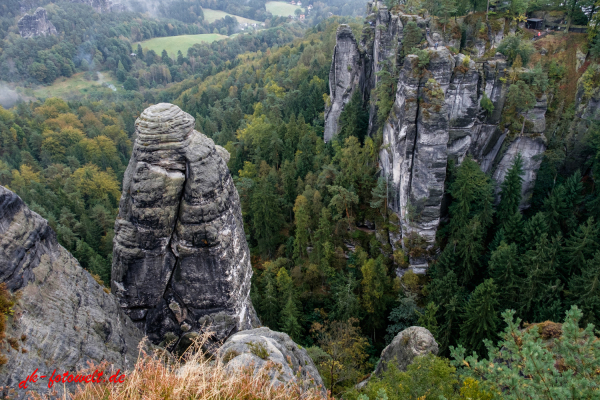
(63, 318)
(180, 262)
(344, 78)
(37, 24)
(419, 138)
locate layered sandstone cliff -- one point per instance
(62, 318)
(181, 262)
(436, 116)
(36, 24)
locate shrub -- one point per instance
(258, 349)
(514, 45)
(524, 365)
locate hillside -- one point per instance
(175, 44)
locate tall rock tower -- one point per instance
(181, 263)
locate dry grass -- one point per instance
(194, 376)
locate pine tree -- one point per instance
(540, 289)
(302, 219)
(469, 248)
(471, 193)
(412, 37)
(346, 304)
(480, 317)
(266, 214)
(513, 228)
(555, 209)
(428, 319)
(533, 229)
(374, 285)
(573, 198)
(289, 319)
(270, 302)
(580, 247)
(403, 316)
(585, 291)
(380, 196)
(510, 191)
(522, 99)
(505, 267)
(444, 10)
(450, 327)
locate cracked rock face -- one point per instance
(345, 72)
(63, 318)
(257, 348)
(436, 117)
(180, 261)
(37, 24)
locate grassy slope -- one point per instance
(174, 43)
(281, 8)
(74, 86)
(213, 15)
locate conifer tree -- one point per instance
(510, 191)
(533, 229)
(469, 248)
(513, 228)
(302, 219)
(585, 290)
(450, 325)
(573, 198)
(412, 37)
(270, 301)
(289, 319)
(380, 196)
(541, 288)
(346, 304)
(555, 209)
(580, 247)
(505, 268)
(266, 213)
(427, 319)
(374, 285)
(480, 317)
(522, 99)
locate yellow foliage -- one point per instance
(57, 143)
(52, 107)
(98, 149)
(92, 182)
(470, 390)
(63, 121)
(23, 178)
(249, 170)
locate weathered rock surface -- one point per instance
(422, 134)
(37, 24)
(180, 261)
(63, 318)
(345, 75)
(263, 347)
(408, 344)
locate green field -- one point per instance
(74, 86)
(175, 43)
(280, 8)
(213, 15)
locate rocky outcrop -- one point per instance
(181, 263)
(37, 24)
(436, 117)
(344, 78)
(408, 344)
(261, 348)
(63, 318)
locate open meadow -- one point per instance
(281, 8)
(183, 42)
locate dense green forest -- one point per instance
(315, 214)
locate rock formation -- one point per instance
(36, 24)
(180, 262)
(261, 347)
(408, 344)
(436, 115)
(345, 72)
(62, 318)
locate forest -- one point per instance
(316, 214)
